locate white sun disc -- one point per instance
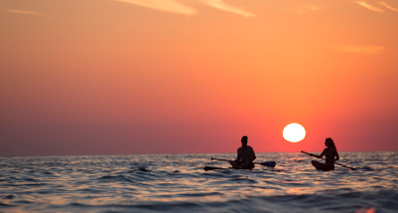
(294, 132)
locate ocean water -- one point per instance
(178, 183)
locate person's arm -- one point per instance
(238, 156)
(336, 154)
(253, 155)
(322, 154)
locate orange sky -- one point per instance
(189, 76)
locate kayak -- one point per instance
(236, 165)
(321, 166)
(209, 168)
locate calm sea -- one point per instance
(178, 183)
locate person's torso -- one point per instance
(329, 154)
(246, 153)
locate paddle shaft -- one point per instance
(313, 155)
(221, 159)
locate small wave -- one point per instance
(47, 173)
(23, 202)
(89, 190)
(113, 178)
(76, 204)
(243, 180)
(139, 169)
(157, 206)
(366, 168)
(143, 169)
(9, 197)
(152, 206)
(34, 184)
(350, 195)
(202, 194)
(30, 179)
(285, 198)
(5, 205)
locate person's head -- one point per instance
(244, 140)
(329, 143)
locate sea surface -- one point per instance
(178, 183)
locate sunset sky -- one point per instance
(193, 76)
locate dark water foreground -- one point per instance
(178, 183)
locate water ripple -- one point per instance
(178, 183)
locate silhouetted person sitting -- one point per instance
(331, 156)
(245, 156)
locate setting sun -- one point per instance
(294, 132)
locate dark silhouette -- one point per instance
(271, 164)
(331, 156)
(245, 157)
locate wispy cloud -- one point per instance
(360, 49)
(369, 7)
(221, 5)
(302, 10)
(24, 12)
(175, 6)
(388, 6)
(172, 6)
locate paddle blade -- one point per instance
(207, 168)
(268, 163)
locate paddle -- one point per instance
(207, 168)
(266, 163)
(310, 154)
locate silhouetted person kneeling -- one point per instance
(331, 156)
(245, 157)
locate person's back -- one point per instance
(245, 156)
